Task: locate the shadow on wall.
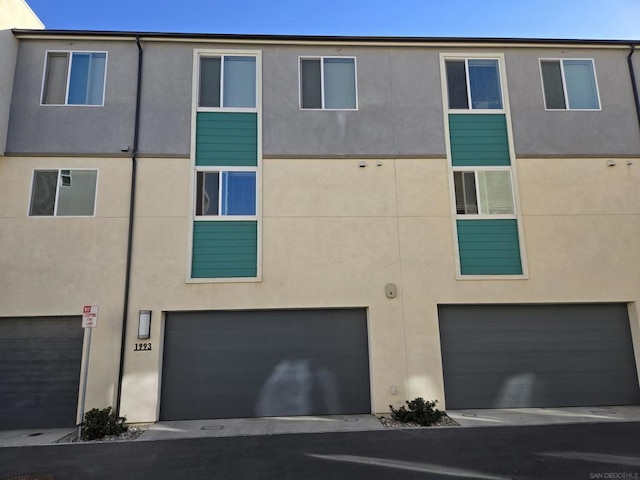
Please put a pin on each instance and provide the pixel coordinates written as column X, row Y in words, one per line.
column 298, row 387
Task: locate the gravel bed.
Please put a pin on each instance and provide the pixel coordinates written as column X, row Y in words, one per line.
column 388, row 422
column 133, row 432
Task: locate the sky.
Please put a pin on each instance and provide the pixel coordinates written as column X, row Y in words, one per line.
column 575, row 19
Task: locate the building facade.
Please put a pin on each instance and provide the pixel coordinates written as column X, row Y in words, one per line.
column 317, row 225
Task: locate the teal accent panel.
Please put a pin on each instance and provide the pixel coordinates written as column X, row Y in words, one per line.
column 489, row 247
column 226, row 139
column 479, row 140
column 225, row 249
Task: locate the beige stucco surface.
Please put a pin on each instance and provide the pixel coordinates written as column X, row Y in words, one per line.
column 333, row 235
column 17, row 14
column 333, row 232
column 54, row 265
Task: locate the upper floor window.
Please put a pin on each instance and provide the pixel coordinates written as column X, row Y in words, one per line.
column 569, row 84
column 474, row 84
column 63, row 193
column 74, row 78
column 483, row 192
column 226, row 193
column 328, row 83
column 227, row 81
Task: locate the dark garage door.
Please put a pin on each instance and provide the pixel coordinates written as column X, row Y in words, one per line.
column 39, row 371
column 233, row 364
column 508, row 356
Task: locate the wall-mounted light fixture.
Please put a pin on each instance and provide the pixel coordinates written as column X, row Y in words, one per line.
column 144, row 324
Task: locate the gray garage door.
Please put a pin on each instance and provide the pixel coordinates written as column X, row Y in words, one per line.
column 508, row 356
column 233, row 364
column 39, row 371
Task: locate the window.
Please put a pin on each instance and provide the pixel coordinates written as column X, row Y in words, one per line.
column 569, row 85
column 474, row 84
column 328, row 83
column 227, row 82
column 74, row 78
column 63, row 193
column 483, row 192
column 223, row 193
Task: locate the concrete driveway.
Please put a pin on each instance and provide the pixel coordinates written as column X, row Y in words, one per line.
column 544, row 416
column 241, row 427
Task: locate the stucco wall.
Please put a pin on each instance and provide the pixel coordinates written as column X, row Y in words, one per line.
column 165, row 116
column 399, row 104
column 15, row 14
column 334, row 234
column 73, row 129
column 54, row 265
column 8, row 53
column 611, row 131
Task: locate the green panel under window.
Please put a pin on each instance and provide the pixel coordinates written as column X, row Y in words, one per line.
column 228, row 139
column 478, row 140
column 225, row 249
column 489, row 247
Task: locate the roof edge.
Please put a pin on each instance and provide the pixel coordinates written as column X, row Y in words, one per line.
column 315, row 38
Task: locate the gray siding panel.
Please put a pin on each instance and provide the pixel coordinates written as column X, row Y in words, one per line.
column 508, row 356
column 73, row 129
column 611, row 131
column 39, row 371
column 229, row 364
column 398, row 111
column 399, row 104
column 165, row 114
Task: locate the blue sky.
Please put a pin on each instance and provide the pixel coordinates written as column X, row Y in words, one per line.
column 580, row 19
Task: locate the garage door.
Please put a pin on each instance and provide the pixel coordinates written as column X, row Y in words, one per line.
column 233, row 364
column 39, row 371
column 507, row 356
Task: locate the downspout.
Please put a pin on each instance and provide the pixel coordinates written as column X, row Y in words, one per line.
column 634, row 84
column 127, row 280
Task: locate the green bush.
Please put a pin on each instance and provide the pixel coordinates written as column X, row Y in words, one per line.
column 99, row 423
column 417, row 411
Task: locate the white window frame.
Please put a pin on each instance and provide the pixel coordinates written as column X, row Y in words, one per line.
column 466, row 59
column 450, row 168
column 195, row 86
column 66, row 92
column 58, row 186
column 222, row 217
column 208, row 54
column 564, row 86
column 480, row 215
column 322, row 58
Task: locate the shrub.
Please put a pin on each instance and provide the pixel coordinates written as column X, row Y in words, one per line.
column 418, row 411
column 99, row 423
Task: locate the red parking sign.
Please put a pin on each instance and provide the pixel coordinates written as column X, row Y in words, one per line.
column 89, row 316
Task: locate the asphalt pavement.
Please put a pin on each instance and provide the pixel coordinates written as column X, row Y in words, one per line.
column 608, row 450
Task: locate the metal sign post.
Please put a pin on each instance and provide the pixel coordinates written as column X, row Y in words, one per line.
column 89, row 322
